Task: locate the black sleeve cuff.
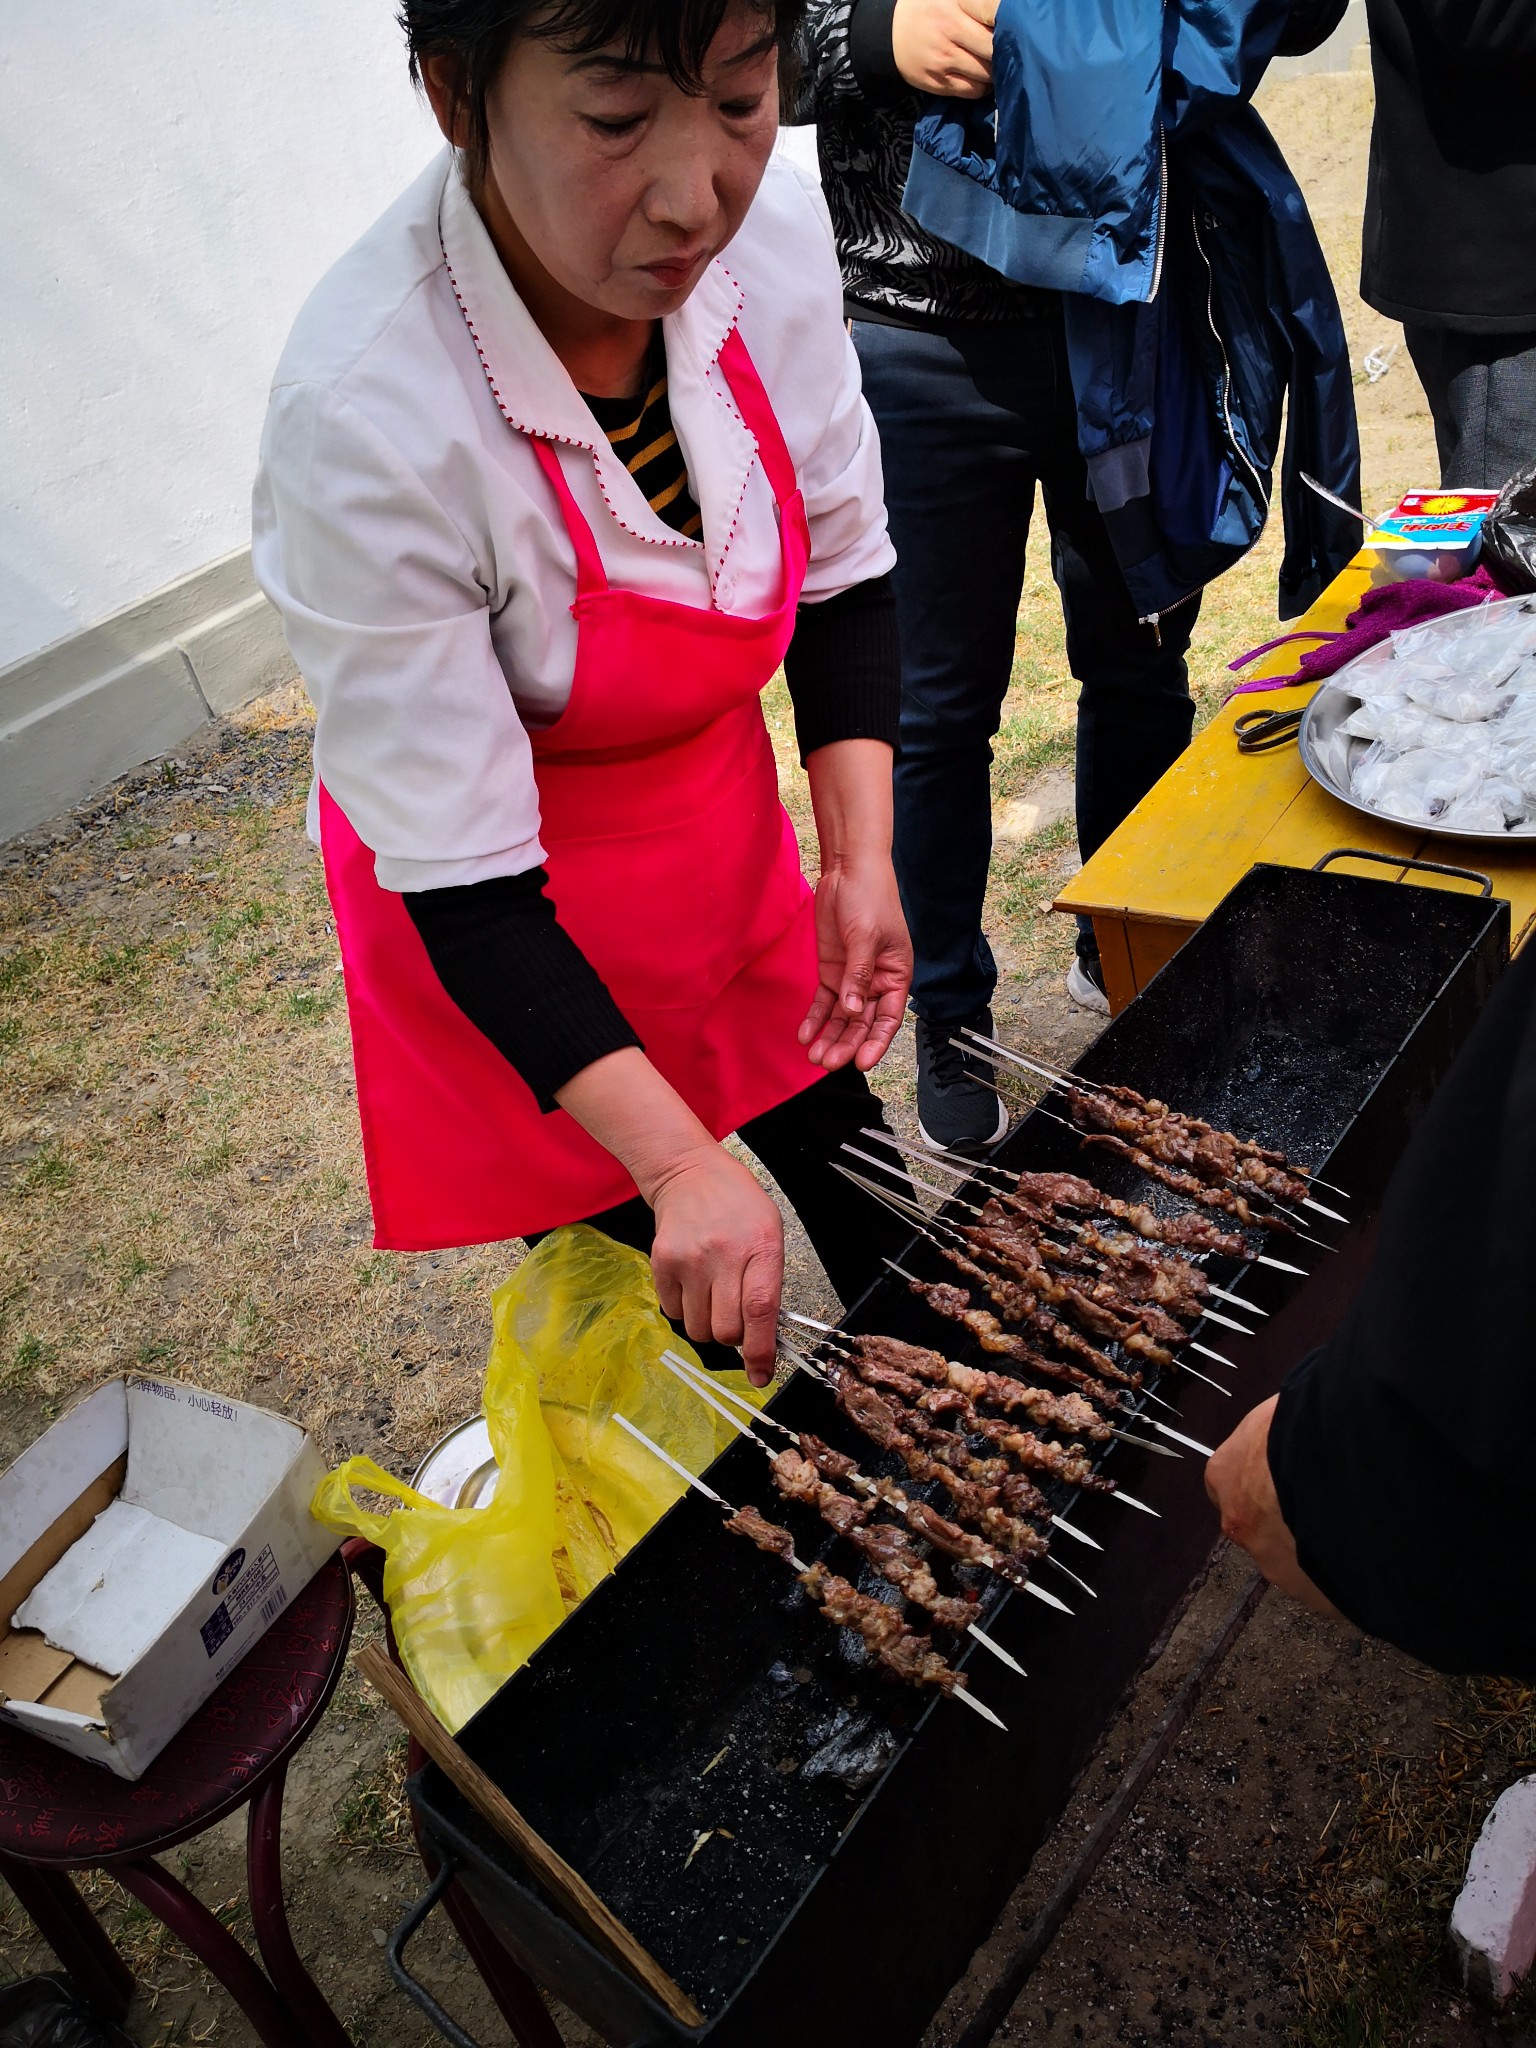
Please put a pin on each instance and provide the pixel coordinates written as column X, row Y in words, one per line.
column 520, row 978
column 1311, row 23
column 843, row 668
column 871, row 54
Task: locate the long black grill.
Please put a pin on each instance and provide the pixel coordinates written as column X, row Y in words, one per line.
column 813, row 1854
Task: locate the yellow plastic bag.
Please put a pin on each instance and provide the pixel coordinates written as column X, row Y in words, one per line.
column 472, row 1592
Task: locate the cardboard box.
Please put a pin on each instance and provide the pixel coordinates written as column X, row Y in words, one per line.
column 147, row 1540
column 1429, row 534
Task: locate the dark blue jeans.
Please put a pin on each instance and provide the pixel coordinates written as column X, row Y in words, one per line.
column 970, row 420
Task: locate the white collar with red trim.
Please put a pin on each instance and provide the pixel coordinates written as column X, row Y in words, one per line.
column 534, row 390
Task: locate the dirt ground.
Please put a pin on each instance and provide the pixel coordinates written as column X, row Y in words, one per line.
column 181, row 1189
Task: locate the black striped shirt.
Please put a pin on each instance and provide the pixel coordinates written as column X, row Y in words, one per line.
column 642, row 435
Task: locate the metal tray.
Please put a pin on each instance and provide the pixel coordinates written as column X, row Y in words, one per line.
column 1329, row 753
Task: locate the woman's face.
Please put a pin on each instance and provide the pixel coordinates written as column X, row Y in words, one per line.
column 619, row 185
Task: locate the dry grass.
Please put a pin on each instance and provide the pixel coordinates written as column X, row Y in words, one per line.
column 180, row 1175
column 1381, row 1891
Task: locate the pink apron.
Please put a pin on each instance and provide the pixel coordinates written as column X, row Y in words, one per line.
column 673, row 866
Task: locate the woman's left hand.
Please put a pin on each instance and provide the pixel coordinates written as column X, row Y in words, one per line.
column 865, row 959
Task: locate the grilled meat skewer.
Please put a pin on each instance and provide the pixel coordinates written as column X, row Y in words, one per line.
column 956, row 1304
column 901, row 1649
column 1187, row 1184
column 1067, row 1412
column 890, row 1550
column 1153, row 1276
column 1097, row 1307
column 1042, row 1192
column 1211, row 1155
column 944, row 1534
column 977, row 1502
column 1161, row 1110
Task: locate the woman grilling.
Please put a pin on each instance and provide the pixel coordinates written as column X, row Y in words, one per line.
column 549, row 487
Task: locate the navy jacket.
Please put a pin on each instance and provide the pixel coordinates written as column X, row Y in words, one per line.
column 1121, row 164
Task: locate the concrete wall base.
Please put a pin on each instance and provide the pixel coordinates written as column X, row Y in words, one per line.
column 86, row 710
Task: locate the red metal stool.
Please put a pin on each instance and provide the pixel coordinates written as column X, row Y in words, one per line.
column 58, row 1814
column 513, row 1991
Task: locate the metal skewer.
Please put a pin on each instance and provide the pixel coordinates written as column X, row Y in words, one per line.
column 916, row 1156
column 680, row 1369
column 922, row 1222
column 964, row 1169
column 1145, row 1392
column 1009, row 1185
column 1067, row 1124
column 1024, row 1585
column 1160, row 1426
column 797, row 1564
column 1059, row 1076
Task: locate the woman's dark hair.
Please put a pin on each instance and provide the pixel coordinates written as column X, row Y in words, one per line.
column 476, row 35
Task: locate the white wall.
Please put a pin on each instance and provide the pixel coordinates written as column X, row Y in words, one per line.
column 174, row 176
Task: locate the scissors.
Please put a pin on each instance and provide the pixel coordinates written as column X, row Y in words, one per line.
column 1261, row 732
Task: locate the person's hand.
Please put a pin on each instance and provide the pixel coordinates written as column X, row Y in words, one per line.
column 1239, row 1482
column 718, row 1257
column 945, row 46
column 865, row 965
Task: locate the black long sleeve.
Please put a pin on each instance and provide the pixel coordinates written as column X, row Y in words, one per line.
column 502, row 955
column 843, row 668
column 1311, row 22
column 872, row 54
column 1404, row 1451
column 1484, row 31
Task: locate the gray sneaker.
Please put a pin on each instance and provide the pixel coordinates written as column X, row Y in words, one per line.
column 957, row 1106
column 1085, row 984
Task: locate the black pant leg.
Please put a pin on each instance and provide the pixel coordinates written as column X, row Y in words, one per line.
column 634, row 1223
column 956, row 412
column 798, row 1143
column 1134, row 710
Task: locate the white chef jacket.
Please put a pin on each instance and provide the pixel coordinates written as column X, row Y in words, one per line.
column 404, row 530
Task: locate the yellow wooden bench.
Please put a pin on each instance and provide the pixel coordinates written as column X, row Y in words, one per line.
column 1216, row 812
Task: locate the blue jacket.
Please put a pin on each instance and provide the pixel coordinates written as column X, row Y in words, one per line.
column 1121, row 164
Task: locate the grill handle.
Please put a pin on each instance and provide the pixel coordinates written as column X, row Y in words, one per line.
column 1402, row 860
column 394, row 1951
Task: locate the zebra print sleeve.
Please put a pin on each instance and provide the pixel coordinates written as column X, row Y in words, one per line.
column 825, row 68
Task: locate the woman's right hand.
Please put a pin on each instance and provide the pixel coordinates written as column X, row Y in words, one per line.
column 945, row 46
column 718, row 1258
column 718, row 1255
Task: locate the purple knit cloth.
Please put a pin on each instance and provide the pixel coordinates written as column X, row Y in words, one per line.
column 1380, row 612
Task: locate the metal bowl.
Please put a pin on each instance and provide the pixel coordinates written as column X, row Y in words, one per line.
column 1329, row 754
column 460, row 1470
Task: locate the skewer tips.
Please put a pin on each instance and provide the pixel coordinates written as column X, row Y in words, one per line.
column 997, row 1649
column 1132, row 1502
column 1280, row 1265
column 978, row 1707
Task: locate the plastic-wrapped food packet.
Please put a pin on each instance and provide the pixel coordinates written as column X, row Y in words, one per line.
column 1519, row 763
column 1466, row 700
column 1494, row 805
column 1372, row 675
column 1417, row 787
